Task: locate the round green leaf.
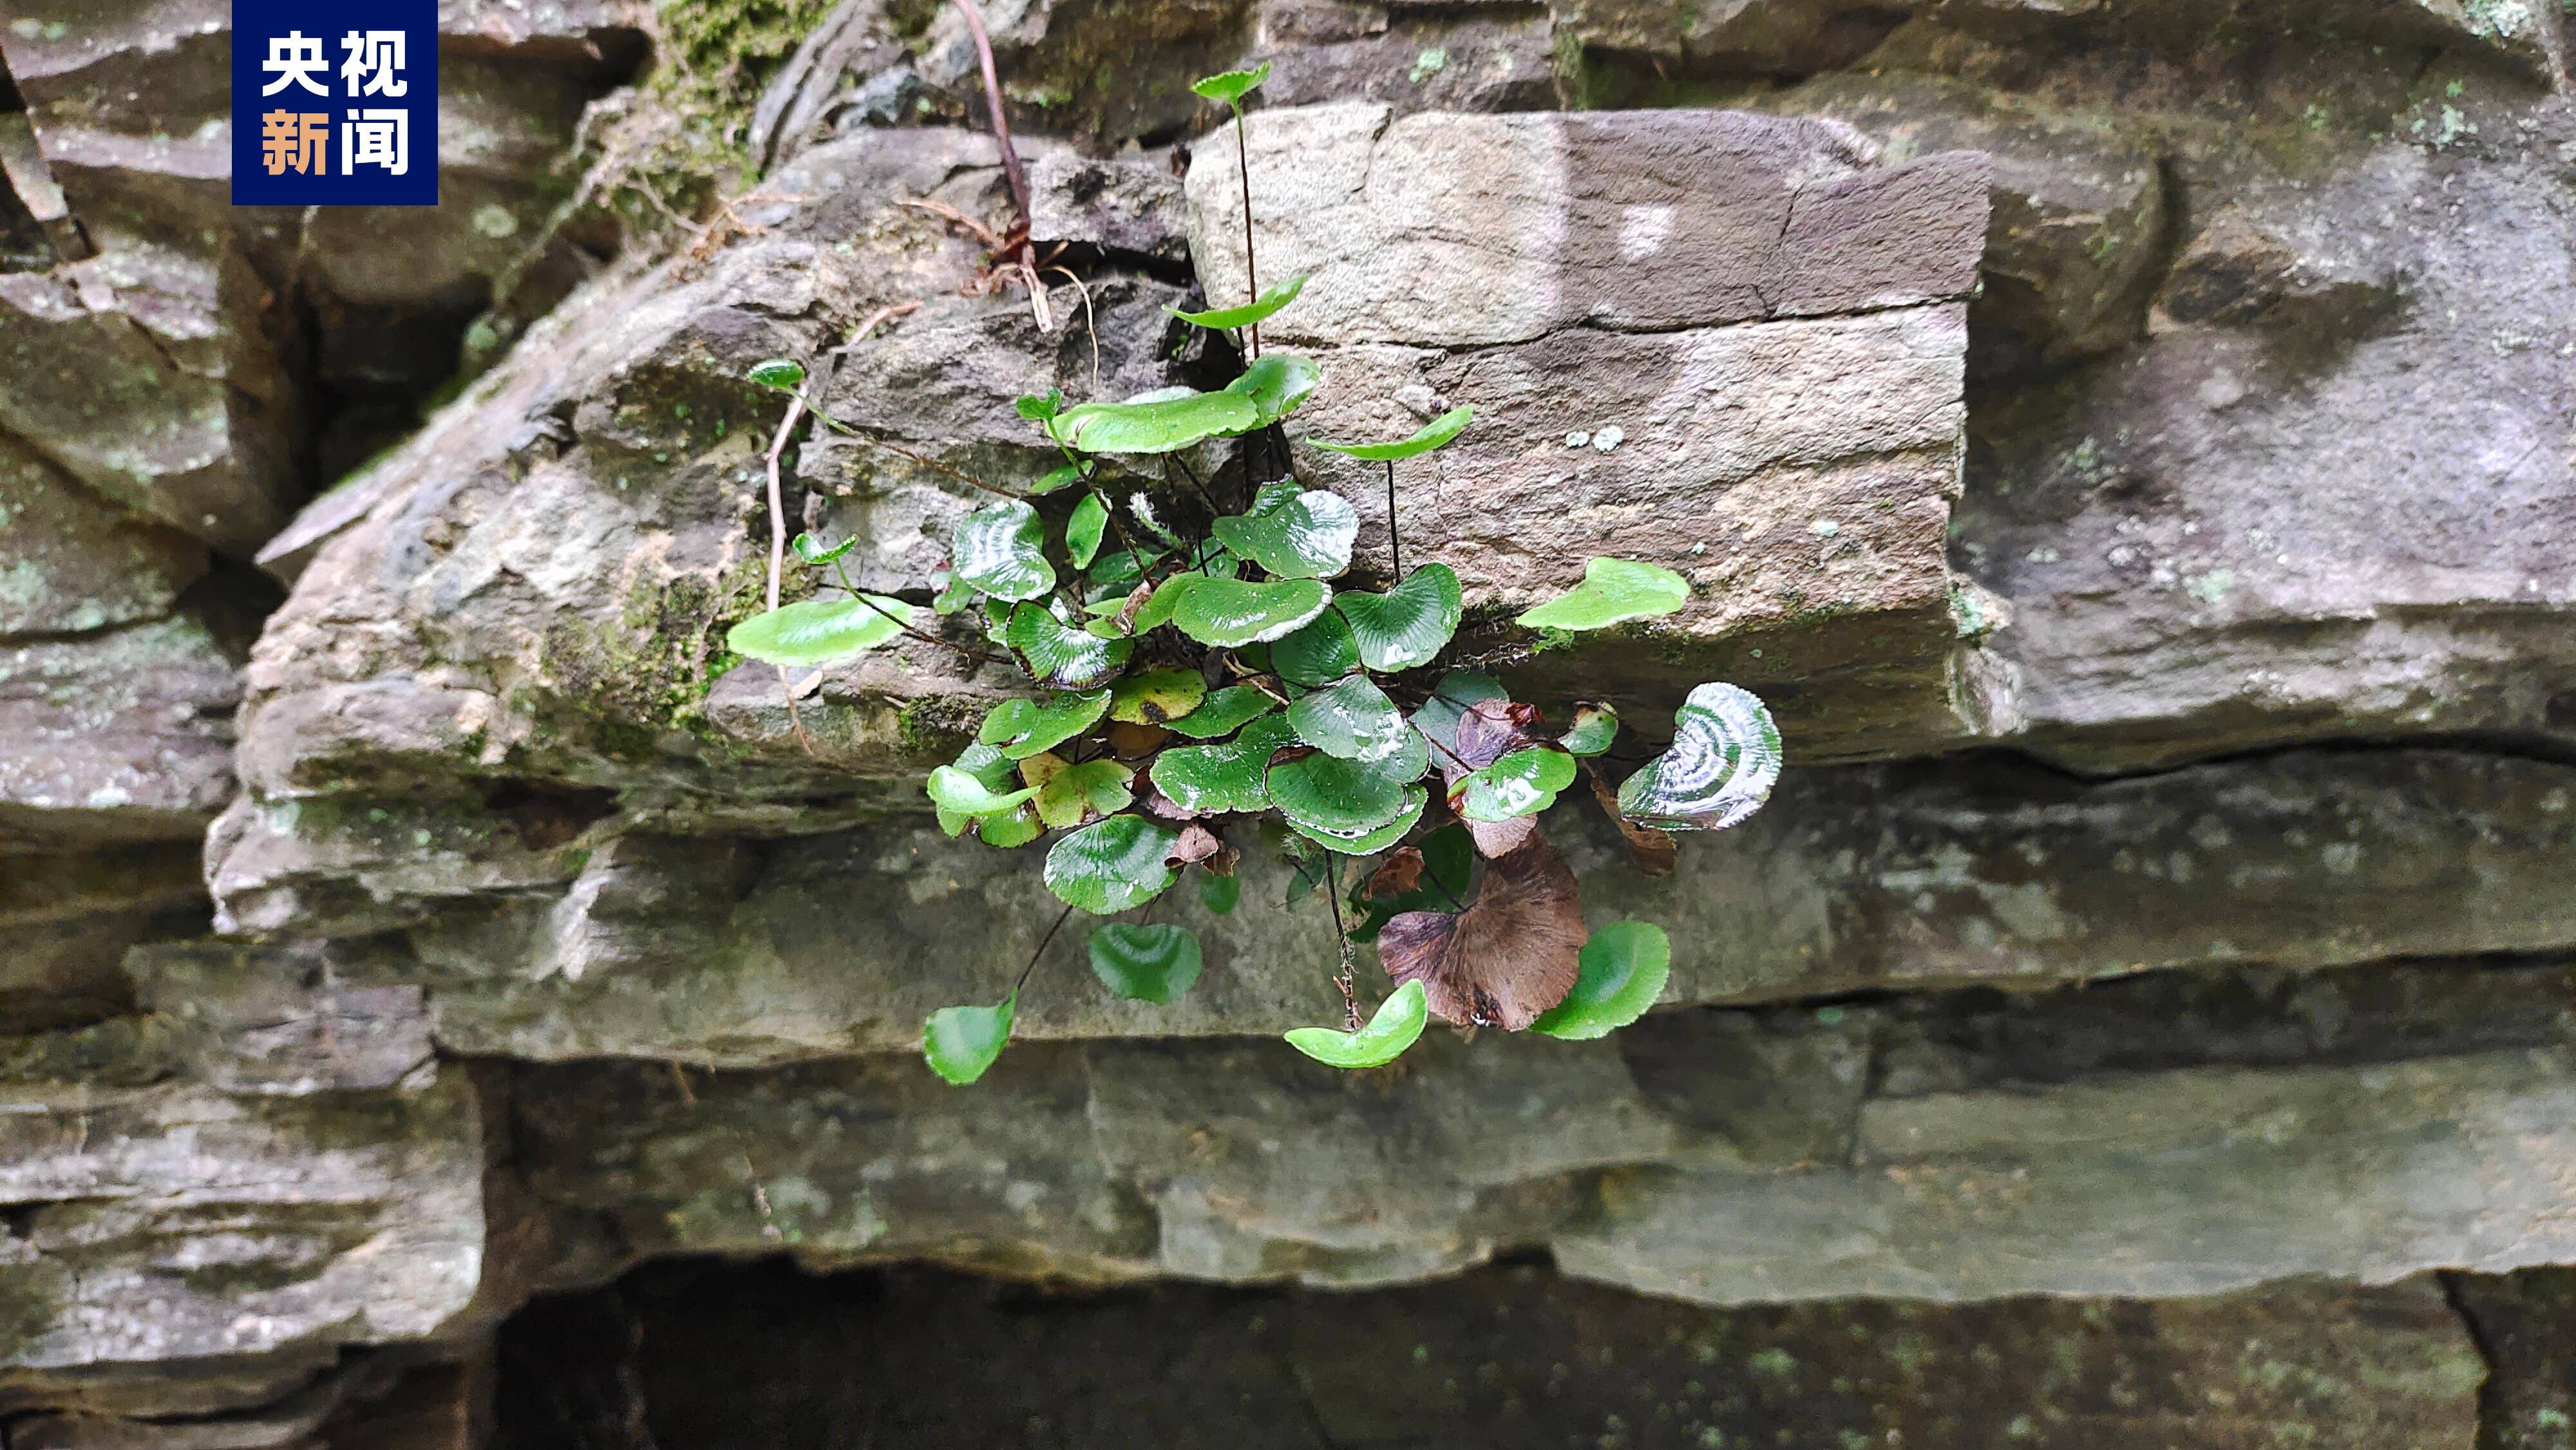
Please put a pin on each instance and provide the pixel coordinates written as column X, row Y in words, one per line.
column 1294, row 533
column 811, row 550
column 1278, row 383
column 990, row 769
column 1222, row 713
column 1451, row 698
column 1012, row 831
column 1158, row 425
column 1112, row 865
column 1612, row 591
column 819, row 631
column 1061, row 476
column 1038, row 407
column 1318, row 654
column 1521, row 783
column 1145, row 963
column 1022, row 728
column 961, row 1042
column 1622, row 973
column 784, row 374
column 1396, row 1025
column 1724, row 760
column 1272, row 298
column 1232, row 612
column 1369, row 842
column 1432, row 434
column 962, row 793
column 1231, row 86
column 1082, row 531
column 1408, row 625
column 1083, row 792
column 1220, row 893
column 1352, row 719
column 1215, row 779
column 1595, row 729
column 1156, row 697
column 1330, row 796
column 1059, row 654
column 1001, row 550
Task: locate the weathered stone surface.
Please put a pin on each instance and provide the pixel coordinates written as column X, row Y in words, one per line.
column 1122, row 205
column 746, row 952
column 70, row 562
column 119, row 736
column 155, row 1223
column 2328, row 497
column 2523, row 1323
column 66, row 922
column 1408, row 57
column 1517, row 1359
column 2163, row 1152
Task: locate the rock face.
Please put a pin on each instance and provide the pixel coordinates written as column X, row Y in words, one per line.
column 2126, row 441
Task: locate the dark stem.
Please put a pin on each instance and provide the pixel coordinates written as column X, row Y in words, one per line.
column 1011, row 172
column 1394, row 543
column 887, row 615
column 1341, row 939
column 1251, row 275
column 1041, row 951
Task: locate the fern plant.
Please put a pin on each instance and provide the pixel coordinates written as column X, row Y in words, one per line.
column 1202, row 692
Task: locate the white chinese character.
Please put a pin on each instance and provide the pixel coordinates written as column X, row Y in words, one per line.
column 376, row 58
column 294, row 58
column 376, row 138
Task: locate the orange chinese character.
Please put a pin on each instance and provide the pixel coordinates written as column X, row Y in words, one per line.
column 295, row 139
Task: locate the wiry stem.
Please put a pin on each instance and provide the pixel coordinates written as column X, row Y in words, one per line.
column 1251, row 274
column 1394, row 539
column 1041, row 951
column 1342, row 939
column 1011, row 172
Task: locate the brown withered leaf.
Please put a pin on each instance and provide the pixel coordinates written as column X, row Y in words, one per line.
column 1401, row 872
column 1160, row 806
column 1651, row 852
column 1487, row 731
column 1135, row 601
column 1129, row 741
column 1196, row 843
column 1507, row 958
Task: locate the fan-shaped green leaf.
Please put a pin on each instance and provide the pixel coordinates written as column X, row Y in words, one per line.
column 1623, row 970
column 1431, row 435
column 1278, row 383
column 961, row 793
column 1001, row 549
column 1156, row 697
column 1069, row 795
column 1231, row 86
column 1214, row 779
column 1457, row 690
column 1327, row 795
column 1272, row 298
column 1082, row 531
column 784, row 374
column 1022, row 728
column 1396, row 1025
column 1612, row 591
column 1408, row 625
column 1011, row 831
column 961, row 1042
column 1060, row 654
column 1111, row 865
column 811, row 549
column 1220, row 893
column 1294, row 533
column 1521, row 783
column 1724, row 761
column 1145, row 963
column 990, row 769
column 1038, row 407
column 1162, row 425
column 1222, row 713
column 1063, row 475
column 1235, row 612
column 1375, row 839
column 1318, row 654
column 819, row 631
column 1352, row 719
column 1595, row 729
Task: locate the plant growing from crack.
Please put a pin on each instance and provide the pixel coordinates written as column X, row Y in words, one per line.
column 1205, row 691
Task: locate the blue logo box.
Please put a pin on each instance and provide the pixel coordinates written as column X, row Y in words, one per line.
column 335, row 103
